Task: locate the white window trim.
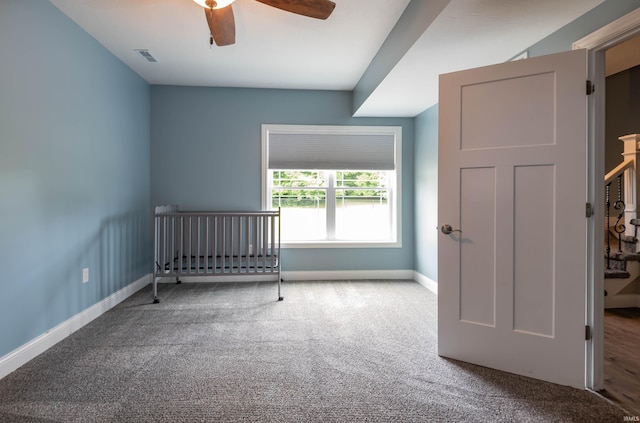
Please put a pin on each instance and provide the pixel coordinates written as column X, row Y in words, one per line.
column 396, row 196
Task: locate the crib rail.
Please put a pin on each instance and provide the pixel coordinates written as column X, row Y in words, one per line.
column 229, row 243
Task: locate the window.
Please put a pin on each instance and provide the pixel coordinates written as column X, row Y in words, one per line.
column 336, row 186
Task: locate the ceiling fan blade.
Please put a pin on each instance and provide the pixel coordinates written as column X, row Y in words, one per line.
column 319, row 9
column 222, row 25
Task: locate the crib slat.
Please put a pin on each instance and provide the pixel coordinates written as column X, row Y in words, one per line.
column 223, row 254
column 256, row 246
column 196, row 259
column 206, row 245
column 185, row 245
column 238, row 253
column 164, row 248
column 172, row 253
column 160, row 259
column 272, row 255
column 214, row 254
column 242, row 245
column 245, row 253
column 279, row 256
column 229, row 255
column 179, row 240
column 189, row 244
column 265, row 245
column 240, row 250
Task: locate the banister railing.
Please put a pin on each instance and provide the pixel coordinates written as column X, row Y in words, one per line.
column 625, row 176
column 618, row 171
column 619, row 227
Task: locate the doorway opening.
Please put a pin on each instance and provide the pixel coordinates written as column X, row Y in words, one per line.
column 622, row 318
column 610, row 354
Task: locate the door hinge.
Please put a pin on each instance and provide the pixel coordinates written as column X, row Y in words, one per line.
column 590, row 87
column 587, row 333
column 589, row 210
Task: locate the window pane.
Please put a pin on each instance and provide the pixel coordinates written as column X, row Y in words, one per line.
column 303, row 212
column 361, row 179
column 363, row 214
column 298, row 178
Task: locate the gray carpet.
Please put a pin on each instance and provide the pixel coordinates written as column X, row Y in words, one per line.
column 352, row 351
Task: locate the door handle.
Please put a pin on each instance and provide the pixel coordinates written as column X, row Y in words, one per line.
column 446, row 229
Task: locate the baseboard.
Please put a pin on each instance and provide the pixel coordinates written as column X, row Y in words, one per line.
column 329, row 275
column 622, row 301
column 37, row 346
column 427, row 282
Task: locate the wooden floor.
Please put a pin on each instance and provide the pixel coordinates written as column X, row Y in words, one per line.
column 622, row 357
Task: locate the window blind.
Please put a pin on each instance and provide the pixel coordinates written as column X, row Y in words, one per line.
column 331, row 151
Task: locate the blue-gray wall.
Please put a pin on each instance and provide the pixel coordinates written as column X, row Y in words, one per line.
column 426, row 141
column 74, row 171
column 205, row 154
column 426, row 193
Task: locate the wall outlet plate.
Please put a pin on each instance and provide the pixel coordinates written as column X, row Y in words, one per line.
column 85, row 275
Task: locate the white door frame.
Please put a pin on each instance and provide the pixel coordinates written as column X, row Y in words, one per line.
column 596, row 44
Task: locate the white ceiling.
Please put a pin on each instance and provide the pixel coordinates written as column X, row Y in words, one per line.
column 276, row 49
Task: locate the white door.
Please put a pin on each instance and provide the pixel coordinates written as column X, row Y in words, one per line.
column 512, row 177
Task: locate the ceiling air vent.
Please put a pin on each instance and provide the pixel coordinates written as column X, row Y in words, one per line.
column 145, row 53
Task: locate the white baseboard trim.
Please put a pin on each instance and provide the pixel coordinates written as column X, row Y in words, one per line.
column 622, row 301
column 427, row 282
column 332, row 275
column 37, row 346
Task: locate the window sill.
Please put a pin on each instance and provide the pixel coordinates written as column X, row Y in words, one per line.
column 341, row 244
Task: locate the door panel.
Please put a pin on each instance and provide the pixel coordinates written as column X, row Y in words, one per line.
column 512, row 178
column 477, row 270
column 533, row 275
column 478, row 130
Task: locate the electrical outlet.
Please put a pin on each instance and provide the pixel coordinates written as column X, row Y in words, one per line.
column 85, row 275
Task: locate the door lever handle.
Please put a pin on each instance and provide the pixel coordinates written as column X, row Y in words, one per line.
column 447, row 229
